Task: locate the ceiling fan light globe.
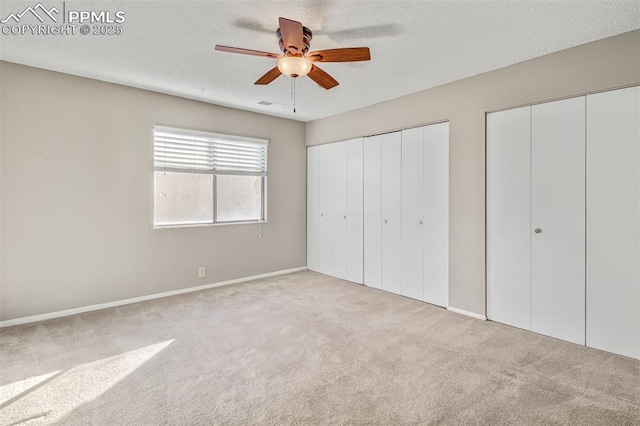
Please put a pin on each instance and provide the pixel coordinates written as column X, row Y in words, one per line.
column 294, row 66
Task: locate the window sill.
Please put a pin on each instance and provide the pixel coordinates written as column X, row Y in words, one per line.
column 200, row 225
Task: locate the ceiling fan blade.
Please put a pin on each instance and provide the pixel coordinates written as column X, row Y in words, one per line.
column 291, row 33
column 322, row 78
column 348, row 54
column 247, row 51
column 271, row 75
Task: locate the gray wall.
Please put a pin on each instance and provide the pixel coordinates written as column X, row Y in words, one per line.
column 601, row 65
column 76, row 177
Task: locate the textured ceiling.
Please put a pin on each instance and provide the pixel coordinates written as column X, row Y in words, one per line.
column 167, row 46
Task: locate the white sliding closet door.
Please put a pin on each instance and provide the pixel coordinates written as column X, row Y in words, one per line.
column 339, row 209
column 412, row 213
column 391, row 174
column 613, row 221
column 372, row 211
column 509, row 217
column 558, row 216
column 313, row 214
column 354, row 210
column 436, row 214
column 325, row 187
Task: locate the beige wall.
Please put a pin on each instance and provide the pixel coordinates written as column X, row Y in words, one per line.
column 76, row 181
column 601, row 65
column 76, row 178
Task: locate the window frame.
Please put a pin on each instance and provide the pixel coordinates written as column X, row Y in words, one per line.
column 214, row 174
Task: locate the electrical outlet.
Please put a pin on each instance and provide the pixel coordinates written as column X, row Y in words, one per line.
column 202, row 272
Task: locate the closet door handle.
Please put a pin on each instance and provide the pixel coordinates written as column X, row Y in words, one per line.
column 385, row 221
column 537, row 231
column 344, row 217
column 419, row 222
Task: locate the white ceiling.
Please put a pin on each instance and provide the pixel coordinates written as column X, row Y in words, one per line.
column 167, row 46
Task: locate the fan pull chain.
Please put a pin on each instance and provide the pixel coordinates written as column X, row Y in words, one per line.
column 293, row 93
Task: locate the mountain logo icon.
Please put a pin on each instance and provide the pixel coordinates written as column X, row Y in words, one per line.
column 39, row 11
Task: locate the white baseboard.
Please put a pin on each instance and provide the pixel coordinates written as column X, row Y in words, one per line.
column 67, row 312
column 467, row 313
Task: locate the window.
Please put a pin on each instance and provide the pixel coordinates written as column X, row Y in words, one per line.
column 205, row 178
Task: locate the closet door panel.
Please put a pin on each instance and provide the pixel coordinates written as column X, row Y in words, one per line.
column 613, row 221
column 509, row 217
column 436, row 214
column 313, row 214
column 558, row 212
column 325, row 183
column 372, row 211
column 354, row 210
column 391, row 174
column 412, row 213
column 339, row 210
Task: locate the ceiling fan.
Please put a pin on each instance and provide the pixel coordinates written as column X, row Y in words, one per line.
column 296, row 60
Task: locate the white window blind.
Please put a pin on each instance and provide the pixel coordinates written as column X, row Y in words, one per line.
column 177, row 150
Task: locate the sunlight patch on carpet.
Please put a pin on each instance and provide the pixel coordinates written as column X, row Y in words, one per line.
column 72, row 388
column 14, row 389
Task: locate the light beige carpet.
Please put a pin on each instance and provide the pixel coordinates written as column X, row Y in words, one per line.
column 303, row 349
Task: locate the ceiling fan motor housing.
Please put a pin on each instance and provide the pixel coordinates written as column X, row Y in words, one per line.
column 307, row 35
